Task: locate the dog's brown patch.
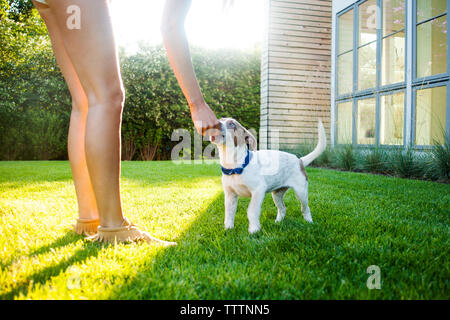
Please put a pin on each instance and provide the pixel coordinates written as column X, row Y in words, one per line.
column 302, row 169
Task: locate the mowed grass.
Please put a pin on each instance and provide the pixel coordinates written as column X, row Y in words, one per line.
column 400, row 225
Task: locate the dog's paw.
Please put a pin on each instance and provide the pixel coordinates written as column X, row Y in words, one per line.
column 308, row 217
column 254, row 229
column 229, row 225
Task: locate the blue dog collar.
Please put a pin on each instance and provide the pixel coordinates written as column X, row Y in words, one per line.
column 240, row 169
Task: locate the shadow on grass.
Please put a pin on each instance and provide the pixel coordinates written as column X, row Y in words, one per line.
column 45, row 274
column 63, row 241
column 353, row 230
column 213, row 263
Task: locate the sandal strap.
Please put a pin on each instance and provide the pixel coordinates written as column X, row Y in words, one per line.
column 86, row 226
column 85, row 221
column 128, row 232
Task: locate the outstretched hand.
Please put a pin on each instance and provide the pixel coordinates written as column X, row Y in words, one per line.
column 205, row 120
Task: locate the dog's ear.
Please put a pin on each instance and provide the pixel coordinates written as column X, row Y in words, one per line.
column 249, row 138
column 251, row 141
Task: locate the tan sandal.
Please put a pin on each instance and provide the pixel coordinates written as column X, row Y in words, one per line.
column 86, row 227
column 128, row 232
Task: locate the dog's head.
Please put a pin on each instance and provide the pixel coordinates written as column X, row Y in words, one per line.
column 233, row 134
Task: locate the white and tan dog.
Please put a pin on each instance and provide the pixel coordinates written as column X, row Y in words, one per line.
column 251, row 173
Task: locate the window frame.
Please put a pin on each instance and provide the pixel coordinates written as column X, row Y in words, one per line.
column 337, row 54
column 387, row 93
column 355, row 121
column 437, row 77
column 337, row 118
column 380, row 90
column 414, row 107
column 437, row 80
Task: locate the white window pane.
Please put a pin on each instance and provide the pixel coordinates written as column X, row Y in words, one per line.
column 345, row 73
column 431, row 105
column 345, row 32
column 367, row 66
column 344, row 122
column 427, row 9
column 432, row 47
column 367, row 22
column 393, row 59
column 365, row 122
column 392, row 118
column 393, row 16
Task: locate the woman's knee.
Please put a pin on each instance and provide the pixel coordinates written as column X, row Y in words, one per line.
column 111, row 99
column 80, row 106
column 79, row 102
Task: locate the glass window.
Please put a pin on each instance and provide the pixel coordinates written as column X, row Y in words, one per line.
column 367, row 66
column 345, row 32
column 345, row 73
column 381, row 118
column 430, row 116
column 367, row 45
column 367, row 22
column 365, row 122
column 345, row 53
column 427, row 9
column 432, row 47
column 393, row 16
column 344, row 122
column 392, row 118
column 393, row 42
column 393, row 59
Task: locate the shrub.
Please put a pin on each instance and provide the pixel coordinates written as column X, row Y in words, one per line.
column 374, row 160
column 438, row 165
column 155, row 105
column 408, row 164
column 345, row 157
column 325, row 159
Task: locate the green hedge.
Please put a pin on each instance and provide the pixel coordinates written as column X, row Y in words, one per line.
column 155, row 105
column 35, row 103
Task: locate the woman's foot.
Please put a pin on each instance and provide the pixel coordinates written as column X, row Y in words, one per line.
column 86, row 226
column 127, row 232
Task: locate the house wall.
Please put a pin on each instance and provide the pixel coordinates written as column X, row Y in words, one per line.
column 295, row 72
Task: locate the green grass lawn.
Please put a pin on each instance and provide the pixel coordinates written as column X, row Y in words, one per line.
column 400, row 225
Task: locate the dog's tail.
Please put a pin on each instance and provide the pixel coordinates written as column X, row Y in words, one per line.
column 321, row 145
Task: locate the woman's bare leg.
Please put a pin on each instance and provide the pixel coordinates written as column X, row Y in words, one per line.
column 87, row 205
column 93, row 53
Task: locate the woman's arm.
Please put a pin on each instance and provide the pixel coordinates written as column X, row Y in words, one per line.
column 177, row 47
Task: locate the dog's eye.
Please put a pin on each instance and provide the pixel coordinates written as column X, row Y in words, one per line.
column 231, row 125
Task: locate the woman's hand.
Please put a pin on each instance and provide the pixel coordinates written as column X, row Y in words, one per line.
column 177, row 47
column 204, row 119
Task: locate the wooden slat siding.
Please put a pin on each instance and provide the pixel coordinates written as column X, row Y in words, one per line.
column 295, row 71
column 293, row 35
column 317, row 6
column 294, row 12
column 264, row 122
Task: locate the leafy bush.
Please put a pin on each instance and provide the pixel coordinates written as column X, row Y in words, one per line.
column 155, row 105
column 34, row 96
column 408, row 164
column 345, row 157
column 374, row 161
column 438, row 165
